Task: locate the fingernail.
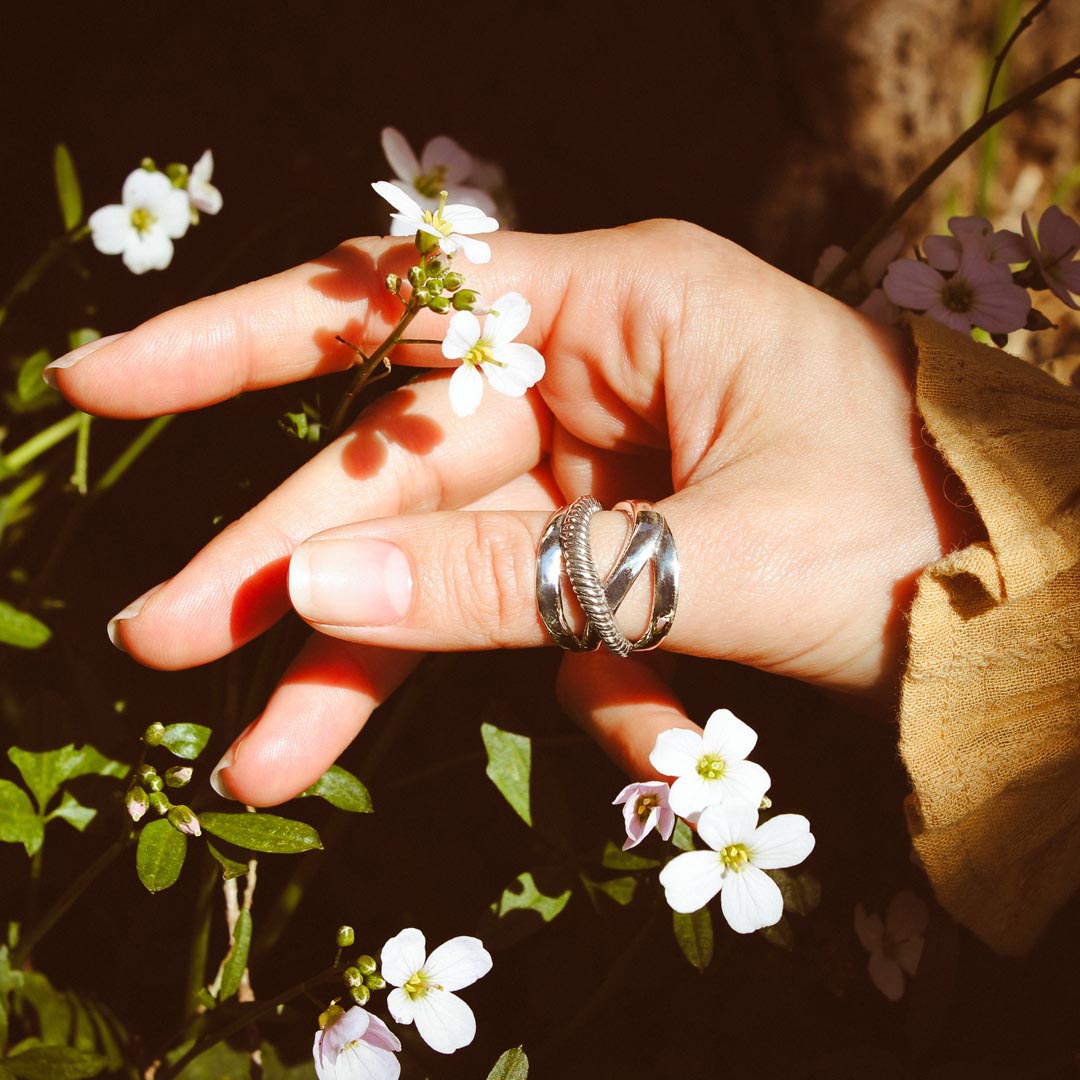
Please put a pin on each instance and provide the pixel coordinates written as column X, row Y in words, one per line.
column 73, row 357
column 129, row 612
column 350, row 582
column 217, row 781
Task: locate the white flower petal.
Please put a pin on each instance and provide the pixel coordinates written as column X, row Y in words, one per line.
column 690, row 794
column 205, row 198
column 361, row 1061
column 444, row 1021
column 399, row 200
column 468, row 219
column 509, row 316
column 624, row 795
column 677, row 751
column 727, row 736
column 691, row 880
column 400, row 155
column 476, row 251
column 462, row 333
column 380, row 1036
column 473, row 196
column 524, row 368
column 784, row 840
column 728, row 823
column 869, row 929
column 110, row 229
column 401, row 1006
column 401, row 225
column 350, row 1025
column 403, row 956
column 458, row 963
column 203, row 169
column 466, row 390
column 751, row 900
column 173, row 213
column 149, row 250
column 143, row 188
column 445, row 152
column 886, row 975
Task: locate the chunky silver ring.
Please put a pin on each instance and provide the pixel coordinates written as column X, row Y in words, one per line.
column 565, row 553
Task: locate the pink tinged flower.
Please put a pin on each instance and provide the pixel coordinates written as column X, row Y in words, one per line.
column 895, row 944
column 442, row 166
column 735, row 867
column 975, row 295
column 141, row 229
column 1054, row 252
column 355, row 1045
column 710, row 767
column 974, row 237
column 452, row 226
column 204, row 196
column 511, row 367
column 873, row 267
column 425, row 986
column 645, row 807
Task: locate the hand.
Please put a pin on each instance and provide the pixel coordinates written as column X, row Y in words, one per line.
column 773, row 425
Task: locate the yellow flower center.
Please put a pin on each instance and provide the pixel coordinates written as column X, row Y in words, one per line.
column 142, row 219
column 957, row 295
column 481, row 353
column 435, row 218
column 711, row 767
column 645, row 806
column 735, row 857
column 430, row 184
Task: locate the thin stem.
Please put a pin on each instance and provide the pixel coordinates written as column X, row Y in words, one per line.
column 129, row 456
column 999, row 60
column 200, row 938
column 418, row 341
column 38, row 444
column 38, row 267
column 891, row 216
column 82, row 453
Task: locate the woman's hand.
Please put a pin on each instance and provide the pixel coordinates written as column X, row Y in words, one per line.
column 773, row 426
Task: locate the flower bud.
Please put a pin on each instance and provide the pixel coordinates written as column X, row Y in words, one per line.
column 183, row 820
column 393, row 283
column 465, row 300
column 360, row 994
column 345, row 937
column 153, row 783
column 417, row 276
column 178, row 174
column 766, row 802
column 434, row 267
column 352, row 977
column 153, row 735
column 425, row 242
column 159, row 802
column 421, row 297
column 366, row 964
column 332, row 1015
column 136, row 802
column 453, row 281
column 147, row 163
column 439, row 304
column 375, row 981
column 178, row 775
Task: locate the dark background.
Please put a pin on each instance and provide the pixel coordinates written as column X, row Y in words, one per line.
column 600, row 114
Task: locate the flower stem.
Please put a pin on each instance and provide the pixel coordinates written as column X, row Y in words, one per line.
column 999, row 60
column 82, row 453
column 38, row 444
column 38, row 267
column 919, row 185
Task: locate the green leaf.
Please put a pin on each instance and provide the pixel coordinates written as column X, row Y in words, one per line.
column 186, row 740
column 781, row 934
column 54, row 1063
column 620, row 889
column 340, row 788
column 83, row 336
column 512, row 1065
column 160, row 855
column 509, row 766
column 44, row 772
column 73, row 812
column 219, row 1062
column 29, row 383
column 694, row 933
column 232, row 967
column 19, row 822
column 615, row 858
column 230, row 868
column 67, row 187
column 262, row 832
column 683, row 836
column 21, row 629
column 801, row 892
column 530, row 898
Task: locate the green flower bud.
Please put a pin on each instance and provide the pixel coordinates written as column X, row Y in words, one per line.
column 178, row 174
column 183, row 820
column 375, row 981
column 439, row 304
column 153, row 735
column 147, row 163
column 453, row 281
column 136, row 802
column 144, row 773
column 352, row 977
column 393, row 283
column 159, row 802
column 332, row 1015
column 178, row 775
column 421, row 297
column 154, row 783
column 434, row 285
column 360, row 994
column 366, row 964
column 417, row 276
column 434, row 267
column 345, row 937
column 465, row 300
column 425, row 242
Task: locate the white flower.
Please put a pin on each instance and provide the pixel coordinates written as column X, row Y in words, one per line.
column 355, row 1045
column 710, row 767
column 735, row 868
column 142, row 228
column 443, row 166
column 895, row 944
column 451, row 226
column 204, row 196
column 425, row 984
column 645, row 807
column 511, row 366
column 975, row 236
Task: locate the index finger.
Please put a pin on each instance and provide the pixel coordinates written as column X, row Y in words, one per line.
column 284, row 328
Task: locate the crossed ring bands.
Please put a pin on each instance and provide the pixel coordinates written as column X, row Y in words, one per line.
column 565, row 552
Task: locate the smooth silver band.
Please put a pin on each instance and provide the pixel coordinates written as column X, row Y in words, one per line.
column 565, row 553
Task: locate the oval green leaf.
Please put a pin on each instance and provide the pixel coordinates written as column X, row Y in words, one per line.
column 55, row 1063
column 160, row 855
column 230, row 868
column 21, row 629
column 67, row 187
column 694, row 933
column 512, row 1065
column 340, row 788
column 19, row 822
column 186, row 740
column 262, row 832
column 509, row 766
column 232, row 967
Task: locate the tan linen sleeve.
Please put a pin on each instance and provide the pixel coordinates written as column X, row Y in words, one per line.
column 990, row 699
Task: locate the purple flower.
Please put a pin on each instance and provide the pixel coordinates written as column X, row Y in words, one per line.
column 355, row 1045
column 975, row 238
column 1055, row 252
column 645, row 807
column 895, row 943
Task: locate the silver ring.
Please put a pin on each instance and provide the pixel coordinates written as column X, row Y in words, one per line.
column 565, row 554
